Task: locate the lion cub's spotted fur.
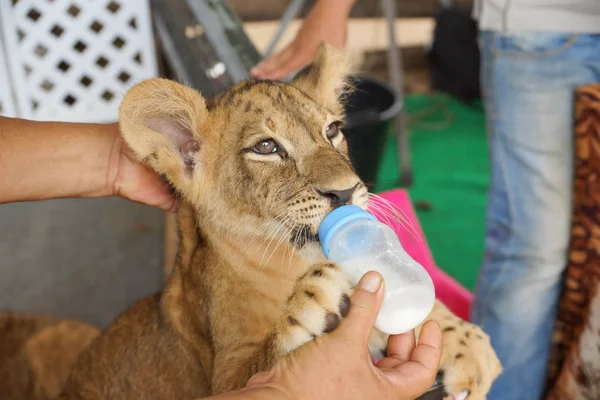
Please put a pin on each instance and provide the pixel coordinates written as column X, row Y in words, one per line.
column 236, row 301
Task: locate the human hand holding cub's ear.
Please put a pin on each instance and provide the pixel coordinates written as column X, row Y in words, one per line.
column 134, row 181
column 338, row 365
column 52, row 160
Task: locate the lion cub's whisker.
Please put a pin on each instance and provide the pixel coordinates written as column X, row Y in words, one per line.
column 395, row 213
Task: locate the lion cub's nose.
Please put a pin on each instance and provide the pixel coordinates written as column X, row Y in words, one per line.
column 339, row 197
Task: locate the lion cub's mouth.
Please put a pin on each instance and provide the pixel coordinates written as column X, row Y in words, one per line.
column 303, row 235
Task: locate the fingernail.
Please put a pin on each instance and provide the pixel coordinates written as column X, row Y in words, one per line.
column 462, row 395
column 370, row 282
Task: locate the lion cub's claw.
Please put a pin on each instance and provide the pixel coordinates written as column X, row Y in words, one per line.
column 321, row 298
column 469, row 362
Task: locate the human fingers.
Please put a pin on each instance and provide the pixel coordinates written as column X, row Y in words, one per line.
column 364, row 307
column 429, row 348
column 137, row 182
column 415, row 377
column 268, row 67
column 399, row 349
column 296, row 62
column 140, row 184
column 418, row 374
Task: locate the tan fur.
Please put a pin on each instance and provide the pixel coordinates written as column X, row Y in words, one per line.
column 37, row 353
column 249, row 284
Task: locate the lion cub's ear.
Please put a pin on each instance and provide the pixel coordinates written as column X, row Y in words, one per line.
column 325, row 79
column 161, row 121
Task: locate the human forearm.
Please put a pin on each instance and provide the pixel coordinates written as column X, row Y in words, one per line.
column 342, row 7
column 44, row 160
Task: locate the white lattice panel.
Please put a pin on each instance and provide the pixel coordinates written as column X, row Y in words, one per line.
column 73, row 60
column 7, row 107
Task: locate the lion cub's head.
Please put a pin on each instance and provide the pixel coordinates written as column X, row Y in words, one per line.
column 263, row 154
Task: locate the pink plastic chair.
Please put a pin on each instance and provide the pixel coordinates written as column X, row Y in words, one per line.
column 448, row 291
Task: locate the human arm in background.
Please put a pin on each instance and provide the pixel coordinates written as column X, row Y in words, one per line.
column 326, row 22
column 338, row 365
column 49, row 160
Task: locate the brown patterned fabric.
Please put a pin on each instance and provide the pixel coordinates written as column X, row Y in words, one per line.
column 574, row 372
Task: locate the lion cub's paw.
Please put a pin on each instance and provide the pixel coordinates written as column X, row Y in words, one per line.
column 469, row 363
column 319, row 301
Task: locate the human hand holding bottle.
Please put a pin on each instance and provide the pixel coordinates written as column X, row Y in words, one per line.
column 338, row 365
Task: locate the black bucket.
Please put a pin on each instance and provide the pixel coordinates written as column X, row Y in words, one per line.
column 370, row 112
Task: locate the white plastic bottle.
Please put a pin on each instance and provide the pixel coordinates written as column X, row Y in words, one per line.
column 357, row 242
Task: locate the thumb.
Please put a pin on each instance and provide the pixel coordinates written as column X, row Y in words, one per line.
column 364, row 307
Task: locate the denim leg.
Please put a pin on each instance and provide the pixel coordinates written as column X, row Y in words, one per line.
column 529, row 82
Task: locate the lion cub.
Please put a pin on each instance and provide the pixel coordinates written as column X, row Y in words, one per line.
column 257, row 169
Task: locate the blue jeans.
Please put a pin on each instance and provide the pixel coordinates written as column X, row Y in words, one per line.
column 528, row 82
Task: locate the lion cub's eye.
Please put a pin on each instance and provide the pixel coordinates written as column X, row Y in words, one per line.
column 268, row 146
column 333, row 130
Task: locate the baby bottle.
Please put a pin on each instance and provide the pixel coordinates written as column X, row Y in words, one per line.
column 357, row 242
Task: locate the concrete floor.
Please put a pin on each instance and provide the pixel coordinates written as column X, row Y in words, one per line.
column 81, row 258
